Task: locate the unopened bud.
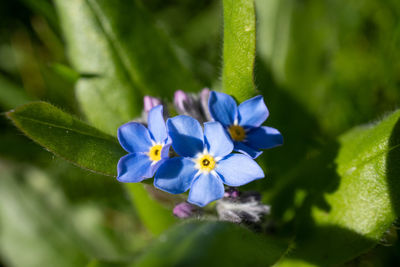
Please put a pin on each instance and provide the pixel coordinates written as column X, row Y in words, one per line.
column 182, row 100
column 231, row 193
column 204, row 95
column 184, row 210
column 150, row 102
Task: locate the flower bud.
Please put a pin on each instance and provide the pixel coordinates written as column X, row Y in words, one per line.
column 182, row 101
column 231, row 193
column 184, row 210
column 150, row 102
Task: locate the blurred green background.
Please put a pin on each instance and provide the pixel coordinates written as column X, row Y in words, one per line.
column 322, row 66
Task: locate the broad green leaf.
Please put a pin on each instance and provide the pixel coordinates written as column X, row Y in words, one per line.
column 239, row 48
column 106, row 94
column 127, row 56
column 363, row 201
column 68, row 137
column 200, row 243
column 145, row 51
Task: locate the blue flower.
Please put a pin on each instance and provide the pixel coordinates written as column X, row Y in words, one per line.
column 206, row 162
column 148, row 148
column 243, row 123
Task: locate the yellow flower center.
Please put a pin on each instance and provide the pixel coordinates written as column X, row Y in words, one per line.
column 237, row 133
column 155, row 152
column 206, row 163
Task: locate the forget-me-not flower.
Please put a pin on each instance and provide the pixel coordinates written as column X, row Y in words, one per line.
column 148, row 148
column 206, row 162
column 243, row 123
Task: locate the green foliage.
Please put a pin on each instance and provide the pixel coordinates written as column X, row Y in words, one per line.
column 239, row 48
column 68, row 137
column 114, row 49
column 338, row 59
column 322, row 66
column 65, row 235
column 42, row 249
column 214, row 244
column 363, row 202
column 91, row 53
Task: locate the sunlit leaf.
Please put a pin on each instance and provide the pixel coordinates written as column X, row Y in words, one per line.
column 106, row 94
column 127, row 56
column 68, row 137
column 239, row 48
column 363, row 201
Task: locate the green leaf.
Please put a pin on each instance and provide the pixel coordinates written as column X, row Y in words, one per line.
column 144, row 50
column 127, row 56
column 106, row 94
column 212, row 244
column 239, row 48
column 364, row 200
column 323, row 65
column 68, row 137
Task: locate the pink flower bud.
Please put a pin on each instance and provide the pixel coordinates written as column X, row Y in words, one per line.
column 150, row 102
column 182, row 100
column 184, row 210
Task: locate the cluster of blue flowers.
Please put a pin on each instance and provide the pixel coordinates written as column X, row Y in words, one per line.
column 205, row 160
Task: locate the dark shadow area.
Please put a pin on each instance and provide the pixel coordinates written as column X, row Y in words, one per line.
column 393, row 168
column 329, row 245
column 14, row 145
column 303, row 168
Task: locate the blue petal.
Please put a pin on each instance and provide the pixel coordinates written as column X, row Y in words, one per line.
column 186, row 135
column 134, row 137
column 175, row 175
column 264, row 137
column 222, row 108
column 247, row 150
column 217, row 140
column 156, row 124
column 238, row 169
column 165, row 151
column 206, row 188
column 133, row 168
column 253, row 112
